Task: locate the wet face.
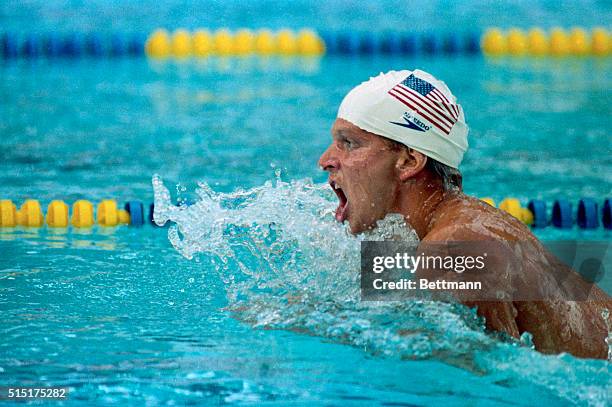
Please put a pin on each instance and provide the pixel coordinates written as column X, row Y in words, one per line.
column 362, row 173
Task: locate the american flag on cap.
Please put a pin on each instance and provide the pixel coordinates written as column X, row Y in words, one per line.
column 422, row 97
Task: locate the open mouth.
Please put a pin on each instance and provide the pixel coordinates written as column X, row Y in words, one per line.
column 342, row 209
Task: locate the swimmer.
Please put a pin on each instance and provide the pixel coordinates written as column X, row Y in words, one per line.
column 396, row 147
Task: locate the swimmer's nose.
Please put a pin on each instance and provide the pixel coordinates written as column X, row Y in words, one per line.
column 328, row 162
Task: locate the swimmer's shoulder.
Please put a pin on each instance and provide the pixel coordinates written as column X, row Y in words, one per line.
column 464, row 218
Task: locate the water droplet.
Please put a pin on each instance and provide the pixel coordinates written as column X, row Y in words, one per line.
column 526, row 339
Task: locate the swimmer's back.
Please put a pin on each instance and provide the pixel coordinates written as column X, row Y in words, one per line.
column 558, row 325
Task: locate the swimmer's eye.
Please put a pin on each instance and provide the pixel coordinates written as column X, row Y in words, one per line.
column 348, row 143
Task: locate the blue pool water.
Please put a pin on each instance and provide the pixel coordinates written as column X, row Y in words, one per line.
column 229, row 312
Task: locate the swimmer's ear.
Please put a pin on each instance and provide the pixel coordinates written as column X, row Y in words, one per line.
column 409, row 163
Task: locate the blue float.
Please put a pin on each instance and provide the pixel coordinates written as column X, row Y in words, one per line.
column 51, row 46
column 31, row 47
column 451, row 44
column 429, row 44
column 408, row 44
column 136, row 211
column 391, row 44
column 562, row 214
column 538, row 208
column 606, row 214
column 348, row 43
column 368, row 44
column 586, row 216
column 93, row 46
column 117, row 46
column 71, row 46
column 472, row 44
column 330, row 39
column 135, row 45
column 9, row 46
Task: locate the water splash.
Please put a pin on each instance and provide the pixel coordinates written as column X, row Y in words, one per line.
column 605, row 314
column 526, row 339
column 287, row 264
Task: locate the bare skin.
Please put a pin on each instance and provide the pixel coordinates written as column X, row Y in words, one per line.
column 372, row 179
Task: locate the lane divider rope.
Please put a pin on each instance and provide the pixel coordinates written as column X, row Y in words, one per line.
column 201, row 43
column 587, row 215
column 108, row 213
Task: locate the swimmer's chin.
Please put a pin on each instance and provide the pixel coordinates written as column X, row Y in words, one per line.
column 357, row 230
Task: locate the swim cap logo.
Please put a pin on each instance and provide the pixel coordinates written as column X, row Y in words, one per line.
column 412, row 122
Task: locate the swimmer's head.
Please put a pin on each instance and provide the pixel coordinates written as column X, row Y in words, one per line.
column 391, row 130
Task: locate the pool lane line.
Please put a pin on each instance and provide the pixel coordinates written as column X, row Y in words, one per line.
column 307, row 42
column 108, row 213
column 587, row 215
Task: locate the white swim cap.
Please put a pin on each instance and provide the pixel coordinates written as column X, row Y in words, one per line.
column 413, row 108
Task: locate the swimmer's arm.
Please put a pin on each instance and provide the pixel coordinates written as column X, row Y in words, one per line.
column 499, row 315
